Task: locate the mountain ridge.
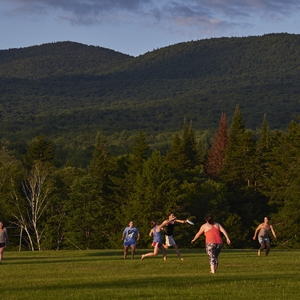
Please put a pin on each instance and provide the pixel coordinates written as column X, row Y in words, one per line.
column 68, row 88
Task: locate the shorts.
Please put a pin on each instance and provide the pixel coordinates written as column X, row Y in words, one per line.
column 129, row 244
column 2, row 245
column 170, row 241
column 156, row 244
column 213, row 250
column 262, row 239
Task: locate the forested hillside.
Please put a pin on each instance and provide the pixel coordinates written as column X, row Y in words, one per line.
column 92, row 138
column 68, row 91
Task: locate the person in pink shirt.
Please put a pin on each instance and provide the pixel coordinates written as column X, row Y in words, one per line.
column 213, row 240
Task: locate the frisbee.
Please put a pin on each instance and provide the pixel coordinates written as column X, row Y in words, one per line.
column 189, row 222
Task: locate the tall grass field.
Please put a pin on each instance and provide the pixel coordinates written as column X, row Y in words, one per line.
column 104, row 274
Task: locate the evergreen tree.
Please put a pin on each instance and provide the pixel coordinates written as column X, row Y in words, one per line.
column 94, row 203
column 264, row 141
column 39, row 149
column 184, row 154
column 134, row 164
column 176, row 157
column 155, row 193
column 237, row 171
column 282, row 184
column 59, row 210
column 216, row 154
column 140, row 152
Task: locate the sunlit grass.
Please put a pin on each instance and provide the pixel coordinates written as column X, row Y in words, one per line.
column 104, row 274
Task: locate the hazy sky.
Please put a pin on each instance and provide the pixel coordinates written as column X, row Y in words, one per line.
column 137, row 26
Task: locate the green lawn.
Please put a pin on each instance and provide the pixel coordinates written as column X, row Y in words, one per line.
column 104, row 274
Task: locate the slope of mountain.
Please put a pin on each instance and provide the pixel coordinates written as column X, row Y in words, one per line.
column 70, row 89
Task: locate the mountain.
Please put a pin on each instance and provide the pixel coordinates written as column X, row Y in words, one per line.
column 66, row 90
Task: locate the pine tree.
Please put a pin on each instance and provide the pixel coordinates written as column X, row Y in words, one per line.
column 238, row 172
column 140, row 152
column 39, row 149
column 154, row 194
column 282, row 184
column 175, row 156
column 184, row 154
column 238, row 167
column 216, row 154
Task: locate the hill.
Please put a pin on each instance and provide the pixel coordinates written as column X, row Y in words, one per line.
column 69, row 91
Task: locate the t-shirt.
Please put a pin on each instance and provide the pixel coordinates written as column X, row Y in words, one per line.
column 130, row 234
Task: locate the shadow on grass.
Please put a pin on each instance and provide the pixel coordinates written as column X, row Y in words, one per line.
column 157, row 282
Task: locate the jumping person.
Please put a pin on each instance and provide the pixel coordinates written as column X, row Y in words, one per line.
column 213, row 241
column 169, row 230
column 130, row 236
column 156, row 231
column 3, row 239
column 263, row 235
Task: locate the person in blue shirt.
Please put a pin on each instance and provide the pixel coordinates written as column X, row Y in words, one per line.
column 130, row 236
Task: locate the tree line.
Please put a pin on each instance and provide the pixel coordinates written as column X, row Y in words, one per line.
column 242, row 177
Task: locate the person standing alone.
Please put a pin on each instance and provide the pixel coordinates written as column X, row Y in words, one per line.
column 130, row 236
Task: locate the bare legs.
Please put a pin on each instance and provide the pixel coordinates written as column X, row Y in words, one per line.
column 1, row 253
column 155, row 252
column 176, row 250
column 132, row 251
column 264, row 245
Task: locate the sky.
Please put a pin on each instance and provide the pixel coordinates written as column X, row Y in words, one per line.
column 136, row 27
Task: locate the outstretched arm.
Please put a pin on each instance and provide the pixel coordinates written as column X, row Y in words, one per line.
column 165, row 223
column 180, row 221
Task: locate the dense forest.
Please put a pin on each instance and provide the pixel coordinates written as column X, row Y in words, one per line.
column 92, row 138
column 68, row 91
column 240, row 179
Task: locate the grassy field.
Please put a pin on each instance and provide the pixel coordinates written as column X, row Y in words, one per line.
column 104, row 274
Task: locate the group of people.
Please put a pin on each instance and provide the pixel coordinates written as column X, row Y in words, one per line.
column 211, row 230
